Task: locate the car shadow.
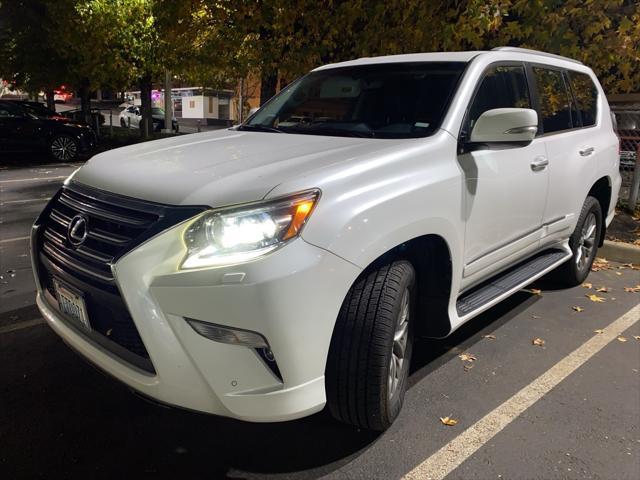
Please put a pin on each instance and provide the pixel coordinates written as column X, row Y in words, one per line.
column 67, row 417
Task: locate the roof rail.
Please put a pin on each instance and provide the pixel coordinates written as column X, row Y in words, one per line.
column 536, row 52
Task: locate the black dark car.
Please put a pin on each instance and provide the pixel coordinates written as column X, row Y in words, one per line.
column 22, row 130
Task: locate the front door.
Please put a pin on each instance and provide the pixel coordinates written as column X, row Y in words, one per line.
column 506, row 186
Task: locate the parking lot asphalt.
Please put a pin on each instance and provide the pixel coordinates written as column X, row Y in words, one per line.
column 61, row 418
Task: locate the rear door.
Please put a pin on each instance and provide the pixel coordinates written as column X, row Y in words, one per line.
column 573, row 144
column 506, row 185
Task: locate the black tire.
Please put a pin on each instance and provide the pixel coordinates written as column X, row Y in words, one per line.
column 575, row 271
column 362, row 347
column 64, row 148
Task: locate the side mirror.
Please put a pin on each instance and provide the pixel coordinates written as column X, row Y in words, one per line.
column 504, row 125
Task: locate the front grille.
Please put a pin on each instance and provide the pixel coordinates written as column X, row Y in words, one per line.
column 115, row 225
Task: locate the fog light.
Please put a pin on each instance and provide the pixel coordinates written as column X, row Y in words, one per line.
column 233, row 336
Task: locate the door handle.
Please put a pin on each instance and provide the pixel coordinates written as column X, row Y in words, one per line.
column 540, row 163
column 585, row 152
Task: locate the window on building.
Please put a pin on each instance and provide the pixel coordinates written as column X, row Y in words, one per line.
column 502, row 87
column 556, row 104
column 586, row 95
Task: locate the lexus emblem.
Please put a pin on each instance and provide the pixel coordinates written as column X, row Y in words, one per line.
column 78, row 230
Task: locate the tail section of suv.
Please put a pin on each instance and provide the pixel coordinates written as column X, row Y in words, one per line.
column 268, row 270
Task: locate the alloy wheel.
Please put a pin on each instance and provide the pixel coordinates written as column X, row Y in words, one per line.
column 63, row 148
column 400, row 338
column 586, row 243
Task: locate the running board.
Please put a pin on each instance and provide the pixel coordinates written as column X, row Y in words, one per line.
column 488, row 293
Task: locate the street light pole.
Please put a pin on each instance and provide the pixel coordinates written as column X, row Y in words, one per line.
column 168, row 103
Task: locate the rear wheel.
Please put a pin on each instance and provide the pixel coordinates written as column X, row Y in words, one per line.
column 64, row 148
column 584, row 244
column 370, row 351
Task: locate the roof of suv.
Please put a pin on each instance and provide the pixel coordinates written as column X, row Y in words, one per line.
column 449, row 57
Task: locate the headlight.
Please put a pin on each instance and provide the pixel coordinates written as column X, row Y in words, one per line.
column 239, row 234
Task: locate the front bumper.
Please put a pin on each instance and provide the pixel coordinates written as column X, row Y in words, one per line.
column 291, row 297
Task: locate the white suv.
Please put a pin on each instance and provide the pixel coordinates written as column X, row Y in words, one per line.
column 264, row 271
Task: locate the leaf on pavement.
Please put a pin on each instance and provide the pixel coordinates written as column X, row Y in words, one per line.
column 595, row 298
column 622, row 339
column 619, row 273
column 587, row 285
column 635, row 289
column 448, row 421
column 603, row 289
column 599, row 331
column 535, row 291
column 578, row 309
column 467, row 357
column 538, row 342
column 468, row 367
column 490, row 336
column 600, row 264
column 637, row 337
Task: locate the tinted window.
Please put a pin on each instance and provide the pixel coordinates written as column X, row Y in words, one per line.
column 555, row 101
column 586, row 95
column 394, row 100
column 501, row 87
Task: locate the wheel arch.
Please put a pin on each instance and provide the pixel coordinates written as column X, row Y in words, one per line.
column 601, row 191
column 431, row 258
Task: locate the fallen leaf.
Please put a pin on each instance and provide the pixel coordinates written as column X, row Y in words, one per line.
column 587, row 285
column 535, row 316
column 578, row 309
column 467, row 357
column 535, row 291
column 637, row 337
column 635, row 289
column 619, row 273
column 599, row 331
column 490, row 337
column 109, row 332
column 601, row 260
column 468, row 367
column 538, row 342
column 448, row 421
column 603, row 290
column 595, row 298
column 622, row 339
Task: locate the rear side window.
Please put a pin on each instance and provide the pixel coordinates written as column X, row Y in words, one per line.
column 503, row 86
column 556, row 104
column 586, row 96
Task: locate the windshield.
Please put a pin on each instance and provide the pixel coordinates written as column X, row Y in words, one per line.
column 393, row 100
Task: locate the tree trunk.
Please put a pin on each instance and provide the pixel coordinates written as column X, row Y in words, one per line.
column 145, row 106
column 85, row 101
column 268, row 83
column 51, row 104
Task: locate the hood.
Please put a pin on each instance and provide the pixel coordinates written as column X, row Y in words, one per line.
column 218, row 168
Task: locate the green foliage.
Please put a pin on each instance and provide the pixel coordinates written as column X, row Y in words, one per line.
column 116, row 43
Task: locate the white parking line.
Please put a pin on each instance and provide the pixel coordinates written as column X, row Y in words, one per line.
column 16, row 239
column 34, row 179
column 21, row 325
column 28, row 200
column 450, row 456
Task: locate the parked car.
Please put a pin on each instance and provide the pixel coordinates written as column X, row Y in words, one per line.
column 131, row 116
column 265, row 271
column 22, row 130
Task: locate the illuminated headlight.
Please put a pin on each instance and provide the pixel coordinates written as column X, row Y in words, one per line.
column 235, row 235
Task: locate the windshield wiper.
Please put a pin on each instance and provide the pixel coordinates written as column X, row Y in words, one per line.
column 259, row 128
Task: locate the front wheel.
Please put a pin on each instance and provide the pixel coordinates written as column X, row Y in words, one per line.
column 64, row 148
column 584, row 244
column 370, row 350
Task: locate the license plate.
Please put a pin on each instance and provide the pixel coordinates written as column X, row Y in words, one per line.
column 72, row 304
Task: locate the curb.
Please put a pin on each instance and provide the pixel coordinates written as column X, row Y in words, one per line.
column 619, row 252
